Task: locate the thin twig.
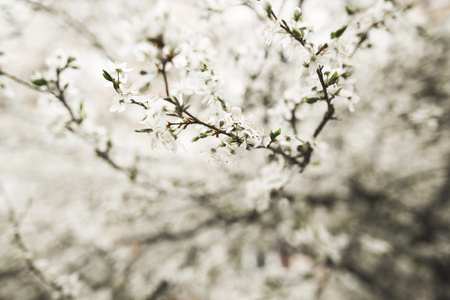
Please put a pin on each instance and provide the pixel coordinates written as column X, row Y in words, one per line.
column 60, row 95
column 22, row 82
column 27, row 255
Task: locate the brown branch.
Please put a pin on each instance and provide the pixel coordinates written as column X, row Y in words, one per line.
column 21, row 82
column 327, row 116
column 166, row 82
column 217, row 218
column 62, row 97
column 286, row 28
column 159, row 291
column 286, row 156
column 194, row 120
column 330, row 111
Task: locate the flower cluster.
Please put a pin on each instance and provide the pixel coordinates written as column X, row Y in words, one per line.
column 322, row 74
column 56, row 63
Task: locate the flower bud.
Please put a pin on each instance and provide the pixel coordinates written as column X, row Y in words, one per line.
column 297, row 14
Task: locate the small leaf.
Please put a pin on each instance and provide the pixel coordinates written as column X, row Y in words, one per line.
column 338, row 33
column 195, row 139
column 66, row 86
column 107, row 76
column 349, row 11
column 273, row 135
column 222, row 103
column 334, row 78
column 70, row 60
column 133, row 173
column 147, row 130
column 269, row 12
column 39, row 82
column 311, row 100
column 362, row 37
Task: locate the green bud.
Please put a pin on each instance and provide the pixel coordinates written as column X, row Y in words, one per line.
column 297, row 14
column 296, row 33
column 273, row 135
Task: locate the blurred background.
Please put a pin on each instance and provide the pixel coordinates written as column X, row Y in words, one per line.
column 368, row 219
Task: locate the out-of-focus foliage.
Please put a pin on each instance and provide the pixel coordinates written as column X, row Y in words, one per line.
column 89, row 210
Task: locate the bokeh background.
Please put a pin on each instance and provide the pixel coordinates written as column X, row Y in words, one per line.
column 369, row 219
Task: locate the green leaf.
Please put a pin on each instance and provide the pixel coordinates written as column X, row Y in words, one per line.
column 334, row 78
column 107, row 76
column 134, row 173
column 186, row 102
column 147, row 130
column 362, row 37
column 349, row 11
column 273, row 135
column 178, row 108
column 311, row 100
column 222, row 103
column 195, row 139
column 39, row 82
column 269, row 12
column 70, row 60
column 338, row 33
